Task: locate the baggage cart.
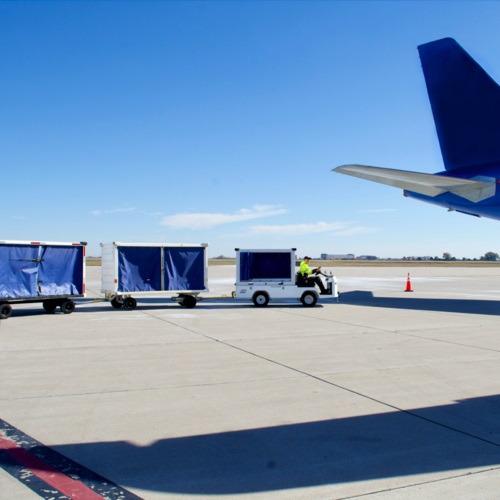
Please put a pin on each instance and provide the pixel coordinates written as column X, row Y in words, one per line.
column 134, row 269
column 35, row 271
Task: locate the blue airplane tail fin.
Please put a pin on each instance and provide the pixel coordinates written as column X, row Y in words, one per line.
column 465, row 103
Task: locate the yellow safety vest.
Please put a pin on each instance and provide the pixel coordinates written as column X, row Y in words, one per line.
column 304, row 268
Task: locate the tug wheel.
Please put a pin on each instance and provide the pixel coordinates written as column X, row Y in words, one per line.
column 260, row 299
column 309, row 299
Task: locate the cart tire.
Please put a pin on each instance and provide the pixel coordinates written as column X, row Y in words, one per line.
column 129, row 303
column 309, row 299
column 67, row 306
column 260, row 299
column 5, row 311
column 189, row 301
column 117, row 304
column 49, row 305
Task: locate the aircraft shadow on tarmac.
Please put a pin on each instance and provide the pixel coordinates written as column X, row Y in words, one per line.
column 410, row 302
column 454, row 437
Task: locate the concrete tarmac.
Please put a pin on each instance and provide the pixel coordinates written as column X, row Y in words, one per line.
column 385, row 393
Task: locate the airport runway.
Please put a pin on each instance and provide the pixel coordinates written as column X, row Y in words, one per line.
column 385, row 393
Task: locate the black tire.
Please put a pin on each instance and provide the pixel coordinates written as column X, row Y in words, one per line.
column 260, row 299
column 117, row 304
column 189, row 301
column 309, row 299
column 5, row 311
column 50, row 305
column 67, row 306
column 129, row 303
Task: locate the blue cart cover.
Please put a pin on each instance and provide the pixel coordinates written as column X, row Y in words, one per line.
column 61, row 270
column 184, row 268
column 30, row 271
column 18, row 271
column 265, row 266
column 139, row 269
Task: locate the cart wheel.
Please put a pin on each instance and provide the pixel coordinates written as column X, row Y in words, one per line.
column 129, row 303
column 5, row 311
column 49, row 305
column 309, row 299
column 67, row 306
column 260, row 299
column 117, row 304
column 188, row 301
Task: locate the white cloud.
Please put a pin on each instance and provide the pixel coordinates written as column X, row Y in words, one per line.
column 336, row 228
column 97, row 213
column 209, row 220
column 293, row 229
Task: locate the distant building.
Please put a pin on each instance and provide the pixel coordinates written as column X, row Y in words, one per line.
column 367, row 257
column 330, row 256
column 426, row 257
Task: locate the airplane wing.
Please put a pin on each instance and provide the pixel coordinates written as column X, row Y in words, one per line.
column 476, row 189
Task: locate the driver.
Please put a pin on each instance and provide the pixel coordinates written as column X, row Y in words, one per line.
column 307, row 272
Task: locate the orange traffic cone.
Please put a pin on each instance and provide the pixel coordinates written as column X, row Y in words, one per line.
column 408, row 284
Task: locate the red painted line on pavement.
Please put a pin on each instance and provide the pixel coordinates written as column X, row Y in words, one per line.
column 73, row 489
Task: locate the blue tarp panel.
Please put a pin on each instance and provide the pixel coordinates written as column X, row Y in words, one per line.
column 265, row 266
column 139, row 269
column 30, row 271
column 18, row 271
column 61, row 270
column 184, row 268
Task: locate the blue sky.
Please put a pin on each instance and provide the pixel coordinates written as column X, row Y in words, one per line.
column 220, row 122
